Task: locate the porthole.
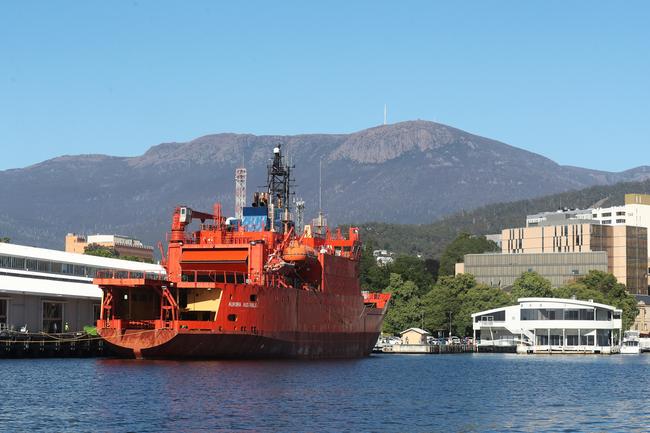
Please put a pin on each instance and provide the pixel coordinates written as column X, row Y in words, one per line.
column 253, row 298
column 232, row 317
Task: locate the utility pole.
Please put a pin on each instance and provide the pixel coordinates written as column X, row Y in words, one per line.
column 450, row 324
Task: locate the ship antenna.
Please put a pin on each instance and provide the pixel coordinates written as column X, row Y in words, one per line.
column 385, row 112
column 320, row 184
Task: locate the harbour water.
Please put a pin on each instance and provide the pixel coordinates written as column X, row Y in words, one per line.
column 414, row 393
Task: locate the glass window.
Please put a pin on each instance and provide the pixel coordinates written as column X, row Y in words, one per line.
column 3, row 313
column 571, row 315
column 586, row 314
column 52, row 317
column 607, row 214
column 556, row 340
column 602, row 314
column 587, row 340
column 572, row 340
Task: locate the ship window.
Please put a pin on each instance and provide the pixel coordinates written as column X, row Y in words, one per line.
column 253, row 298
column 232, row 317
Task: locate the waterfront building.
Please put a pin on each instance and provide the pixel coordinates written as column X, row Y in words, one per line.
column 626, row 247
column 642, row 320
column 414, row 336
column 501, row 270
column 43, row 289
column 545, row 325
column 125, row 246
column 635, row 212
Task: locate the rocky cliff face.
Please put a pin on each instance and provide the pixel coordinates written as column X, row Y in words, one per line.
column 410, row 172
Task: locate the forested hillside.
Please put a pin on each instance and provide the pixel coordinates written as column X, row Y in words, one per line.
column 431, row 239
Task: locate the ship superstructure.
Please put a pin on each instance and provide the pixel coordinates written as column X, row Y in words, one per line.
column 246, row 287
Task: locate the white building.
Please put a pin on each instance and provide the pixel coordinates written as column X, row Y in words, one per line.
column 43, row 289
column 543, row 325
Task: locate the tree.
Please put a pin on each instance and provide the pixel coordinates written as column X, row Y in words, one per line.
column 531, row 285
column 479, row 298
column 612, row 292
column 374, row 278
column 405, row 310
column 464, row 243
column 101, row 251
column 444, row 301
column 5, row 240
column 412, row 269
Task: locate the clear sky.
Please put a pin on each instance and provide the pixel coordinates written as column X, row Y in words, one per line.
column 567, row 79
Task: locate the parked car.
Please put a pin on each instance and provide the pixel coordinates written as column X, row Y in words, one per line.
column 454, row 340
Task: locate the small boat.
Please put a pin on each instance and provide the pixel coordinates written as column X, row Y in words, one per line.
column 631, row 343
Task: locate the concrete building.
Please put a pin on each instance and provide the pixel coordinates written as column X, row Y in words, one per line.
column 124, row 246
column 43, row 289
column 561, row 216
column 414, row 336
column 501, row 270
column 545, row 325
column 635, row 212
column 626, row 247
column 642, row 320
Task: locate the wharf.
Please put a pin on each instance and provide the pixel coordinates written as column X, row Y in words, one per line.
column 427, row 348
column 40, row 345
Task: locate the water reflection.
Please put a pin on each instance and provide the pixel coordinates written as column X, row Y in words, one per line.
column 380, row 393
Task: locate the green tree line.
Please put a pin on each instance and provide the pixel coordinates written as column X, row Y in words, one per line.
column 445, row 302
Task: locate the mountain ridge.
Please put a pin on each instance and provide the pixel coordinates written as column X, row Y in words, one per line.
column 409, row 172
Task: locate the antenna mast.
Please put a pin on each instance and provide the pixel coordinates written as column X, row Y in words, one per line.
column 240, row 192
column 385, row 113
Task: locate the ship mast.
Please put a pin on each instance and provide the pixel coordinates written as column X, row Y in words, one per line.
column 279, row 191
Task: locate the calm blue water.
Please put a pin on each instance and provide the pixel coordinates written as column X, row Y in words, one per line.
column 402, row 393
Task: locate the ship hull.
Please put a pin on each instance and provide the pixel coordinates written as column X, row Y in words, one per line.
column 250, row 346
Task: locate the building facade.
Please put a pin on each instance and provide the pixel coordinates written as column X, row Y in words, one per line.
column 124, row 246
column 626, row 247
column 545, row 325
column 501, row 270
column 44, row 290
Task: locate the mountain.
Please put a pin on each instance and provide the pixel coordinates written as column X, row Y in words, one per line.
column 409, row 172
column 431, row 239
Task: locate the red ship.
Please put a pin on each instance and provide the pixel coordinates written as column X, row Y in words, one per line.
column 246, row 288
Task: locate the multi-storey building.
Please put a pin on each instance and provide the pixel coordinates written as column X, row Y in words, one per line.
column 626, row 247
column 124, row 245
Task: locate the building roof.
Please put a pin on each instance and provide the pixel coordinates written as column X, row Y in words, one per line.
column 576, row 302
column 75, row 258
column 49, row 288
column 418, row 330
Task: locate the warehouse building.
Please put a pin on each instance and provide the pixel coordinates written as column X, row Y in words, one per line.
column 44, row 290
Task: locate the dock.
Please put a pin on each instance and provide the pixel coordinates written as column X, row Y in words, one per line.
column 15, row 344
column 427, row 348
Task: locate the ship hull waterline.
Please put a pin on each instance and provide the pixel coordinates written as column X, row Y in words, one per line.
column 208, row 345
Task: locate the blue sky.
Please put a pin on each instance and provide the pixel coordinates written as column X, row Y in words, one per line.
column 569, row 80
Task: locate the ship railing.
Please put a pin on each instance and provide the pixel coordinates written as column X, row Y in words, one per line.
column 123, row 275
column 138, row 324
